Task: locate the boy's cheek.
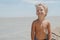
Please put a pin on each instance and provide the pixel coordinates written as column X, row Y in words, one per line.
column 37, row 13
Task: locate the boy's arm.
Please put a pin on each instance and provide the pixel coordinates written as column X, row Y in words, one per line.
column 49, row 32
column 33, row 31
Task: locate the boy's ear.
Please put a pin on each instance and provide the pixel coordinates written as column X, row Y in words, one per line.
column 46, row 10
column 45, row 14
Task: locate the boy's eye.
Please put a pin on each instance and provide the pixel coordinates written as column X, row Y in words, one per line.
column 37, row 10
column 41, row 10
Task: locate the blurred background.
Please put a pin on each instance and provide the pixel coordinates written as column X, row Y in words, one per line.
column 16, row 17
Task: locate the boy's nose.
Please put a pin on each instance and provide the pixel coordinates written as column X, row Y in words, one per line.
column 39, row 11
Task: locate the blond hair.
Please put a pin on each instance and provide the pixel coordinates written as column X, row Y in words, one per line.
column 44, row 6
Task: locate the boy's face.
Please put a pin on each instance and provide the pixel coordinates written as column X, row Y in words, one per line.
column 40, row 11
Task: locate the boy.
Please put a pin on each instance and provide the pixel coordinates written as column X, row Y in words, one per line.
column 41, row 27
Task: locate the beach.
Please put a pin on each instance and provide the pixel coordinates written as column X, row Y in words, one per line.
column 19, row 28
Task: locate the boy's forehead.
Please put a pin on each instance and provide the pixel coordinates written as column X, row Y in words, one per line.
column 40, row 7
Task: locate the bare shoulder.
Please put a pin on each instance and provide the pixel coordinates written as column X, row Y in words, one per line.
column 47, row 21
column 34, row 22
column 33, row 25
column 48, row 24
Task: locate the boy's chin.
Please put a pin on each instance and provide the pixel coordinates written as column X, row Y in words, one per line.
column 40, row 16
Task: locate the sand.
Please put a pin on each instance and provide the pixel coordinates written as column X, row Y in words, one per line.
column 19, row 28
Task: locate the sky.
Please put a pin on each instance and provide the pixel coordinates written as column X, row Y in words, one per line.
column 26, row 8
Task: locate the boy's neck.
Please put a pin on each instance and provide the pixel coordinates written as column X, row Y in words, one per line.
column 40, row 19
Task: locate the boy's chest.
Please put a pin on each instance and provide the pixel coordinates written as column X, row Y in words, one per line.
column 42, row 25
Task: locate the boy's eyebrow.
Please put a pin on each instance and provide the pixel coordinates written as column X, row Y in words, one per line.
column 44, row 6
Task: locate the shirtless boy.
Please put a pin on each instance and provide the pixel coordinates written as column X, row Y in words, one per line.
column 41, row 27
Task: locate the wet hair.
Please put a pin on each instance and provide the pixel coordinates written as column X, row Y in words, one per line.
column 44, row 6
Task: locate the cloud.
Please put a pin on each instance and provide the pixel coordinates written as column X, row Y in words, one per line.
column 37, row 1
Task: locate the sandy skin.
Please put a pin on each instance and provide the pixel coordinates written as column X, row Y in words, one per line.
column 40, row 26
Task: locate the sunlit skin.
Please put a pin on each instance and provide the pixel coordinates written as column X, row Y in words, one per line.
column 40, row 26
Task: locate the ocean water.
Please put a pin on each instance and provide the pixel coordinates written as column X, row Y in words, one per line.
column 19, row 28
